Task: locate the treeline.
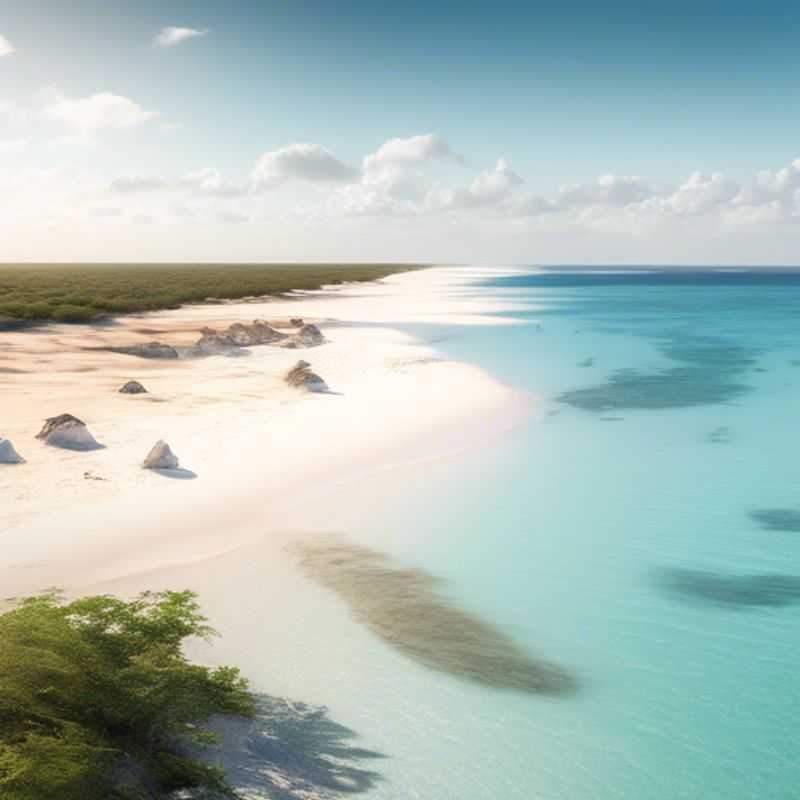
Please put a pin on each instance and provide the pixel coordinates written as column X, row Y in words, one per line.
column 84, row 292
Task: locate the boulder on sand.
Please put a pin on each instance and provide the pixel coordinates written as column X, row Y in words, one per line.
column 307, row 336
column 8, row 455
column 132, row 387
column 68, row 432
column 160, row 457
column 300, row 376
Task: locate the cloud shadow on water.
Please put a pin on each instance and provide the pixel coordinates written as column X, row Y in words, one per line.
column 777, row 519
column 403, row 608
column 731, row 590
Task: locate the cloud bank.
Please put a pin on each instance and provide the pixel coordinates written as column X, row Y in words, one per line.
column 410, row 198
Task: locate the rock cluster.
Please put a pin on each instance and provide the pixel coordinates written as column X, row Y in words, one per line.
column 67, row 431
column 132, row 387
column 161, row 457
column 231, row 341
column 240, row 335
column 8, row 455
column 300, row 376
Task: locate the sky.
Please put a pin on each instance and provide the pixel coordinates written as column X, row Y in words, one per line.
column 501, row 132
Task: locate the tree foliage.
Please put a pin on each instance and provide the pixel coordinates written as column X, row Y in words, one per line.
column 97, row 698
column 83, row 292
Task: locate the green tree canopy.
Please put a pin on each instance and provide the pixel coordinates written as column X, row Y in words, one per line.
column 97, row 698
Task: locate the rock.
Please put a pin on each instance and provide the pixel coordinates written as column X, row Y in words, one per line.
column 213, row 342
column 307, row 336
column 259, row 332
column 161, row 457
column 8, row 455
column 300, row 376
column 68, row 432
column 296, row 322
column 133, row 387
column 148, row 350
column 90, row 476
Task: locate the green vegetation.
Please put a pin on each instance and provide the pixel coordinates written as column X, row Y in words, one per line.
column 97, row 699
column 82, row 292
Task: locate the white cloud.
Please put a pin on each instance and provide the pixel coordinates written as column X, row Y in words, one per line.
column 412, row 150
column 6, row 48
column 776, row 192
column 12, row 114
column 209, row 182
column 13, row 146
column 106, row 211
column 232, row 217
column 308, row 162
column 172, row 36
column 132, row 184
column 88, row 115
column 610, row 189
column 530, row 206
column 701, row 193
column 489, row 188
column 392, row 181
column 206, row 182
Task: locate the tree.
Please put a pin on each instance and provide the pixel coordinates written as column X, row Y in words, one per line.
column 97, row 699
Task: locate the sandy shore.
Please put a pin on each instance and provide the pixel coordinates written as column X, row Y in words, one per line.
column 255, row 450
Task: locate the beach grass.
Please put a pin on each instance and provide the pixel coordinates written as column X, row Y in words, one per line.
column 85, row 292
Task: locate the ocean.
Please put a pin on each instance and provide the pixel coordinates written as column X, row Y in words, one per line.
column 640, row 535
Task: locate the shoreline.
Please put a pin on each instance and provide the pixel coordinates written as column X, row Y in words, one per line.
column 259, row 449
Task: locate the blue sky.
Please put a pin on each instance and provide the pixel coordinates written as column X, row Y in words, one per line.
column 681, row 106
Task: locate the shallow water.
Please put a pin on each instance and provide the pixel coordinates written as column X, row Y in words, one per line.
column 641, row 534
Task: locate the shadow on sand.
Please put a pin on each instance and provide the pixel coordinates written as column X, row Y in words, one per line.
column 403, row 607
column 290, row 751
column 178, row 474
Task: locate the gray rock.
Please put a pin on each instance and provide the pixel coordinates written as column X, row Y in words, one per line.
column 67, row 431
column 300, row 376
column 148, row 350
column 8, row 455
column 308, row 336
column 133, row 387
column 161, row 457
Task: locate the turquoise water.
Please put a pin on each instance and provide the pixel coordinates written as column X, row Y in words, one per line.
column 642, row 533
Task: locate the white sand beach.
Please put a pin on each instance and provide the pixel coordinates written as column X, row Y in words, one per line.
column 252, row 450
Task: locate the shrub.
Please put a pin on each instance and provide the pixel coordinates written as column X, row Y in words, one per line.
column 72, row 313
column 96, row 697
